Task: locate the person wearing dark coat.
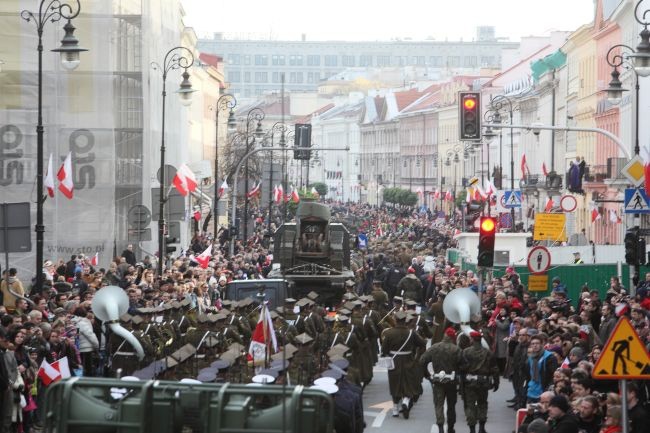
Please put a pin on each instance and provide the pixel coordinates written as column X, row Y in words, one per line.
column 70, row 267
column 129, row 255
column 560, row 418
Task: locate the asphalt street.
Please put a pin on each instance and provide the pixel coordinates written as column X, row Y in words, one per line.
column 378, row 415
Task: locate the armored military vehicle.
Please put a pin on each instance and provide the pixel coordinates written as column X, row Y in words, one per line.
column 313, row 253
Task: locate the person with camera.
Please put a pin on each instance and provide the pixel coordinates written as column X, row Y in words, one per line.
column 536, row 411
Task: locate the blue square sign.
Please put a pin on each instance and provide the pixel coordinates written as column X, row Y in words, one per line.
column 636, row 201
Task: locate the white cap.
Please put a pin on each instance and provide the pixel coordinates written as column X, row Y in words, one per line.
column 263, row 378
column 328, row 388
column 191, row 381
column 130, row 379
column 325, row 381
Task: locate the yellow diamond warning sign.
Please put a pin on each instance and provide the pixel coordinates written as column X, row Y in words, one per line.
column 624, row 356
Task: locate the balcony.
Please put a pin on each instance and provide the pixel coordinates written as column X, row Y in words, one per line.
column 596, row 173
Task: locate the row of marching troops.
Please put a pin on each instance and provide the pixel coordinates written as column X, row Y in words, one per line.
column 333, row 350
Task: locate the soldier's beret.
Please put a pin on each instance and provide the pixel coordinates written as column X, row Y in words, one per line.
column 344, row 311
column 348, row 306
column 342, row 318
column 304, row 339
column 229, row 356
column 337, row 350
column 400, row 315
column 274, row 315
column 302, row 302
column 246, row 302
column 357, row 304
column 329, row 318
column 225, row 311
column 202, row 318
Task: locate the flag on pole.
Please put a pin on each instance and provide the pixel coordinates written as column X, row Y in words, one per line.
column 263, row 337
column 448, row 196
column 645, row 155
column 549, row 205
column 295, row 197
column 613, row 217
column 66, row 186
column 544, row 170
column 595, row 215
column 524, row 166
column 469, row 195
column 223, row 187
column 255, row 192
column 204, row 258
column 436, row 194
column 184, row 180
column 95, row 260
column 49, row 177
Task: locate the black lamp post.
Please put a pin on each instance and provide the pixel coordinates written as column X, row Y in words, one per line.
column 282, row 129
column 225, row 102
column 176, row 58
column 254, row 115
column 497, row 104
column 49, row 11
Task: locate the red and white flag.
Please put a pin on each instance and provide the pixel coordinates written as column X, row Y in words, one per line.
column 613, row 217
column 490, row 189
column 436, row 194
column 645, row 155
column 223, row 188
column 50, row 373
column 49, row 177
column 595, row 215
column 197, row 215
column 544, row 170
column 204, row 258
column 263, row 337
column 184, row 180
column 279, row 194
column 448, row 196
column 255, row 192
column 549, row 205
column 566, row 363
column 295, row 197
column 95, row 260
column 524, row 167
column 66, row 186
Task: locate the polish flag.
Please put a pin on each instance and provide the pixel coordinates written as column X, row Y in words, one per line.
column 595, row 215
column 295, row 197
column 613, row 217
column 190, row 179
column 204, row 258
column 279, row 193
column 65, row 177
column 436, row 194
column 549, row 205
column 469, row 195
column 223, row 188
column 566, row 363
column 263, row 337
column 448, row 196
column 524, row 167
column 255, row 191
column 50, row 373
column 49, row 177
column 95, row 260
column 197, row 215
column 544, row 170
column 646, row 167
column 379, row 232
column 489, row 187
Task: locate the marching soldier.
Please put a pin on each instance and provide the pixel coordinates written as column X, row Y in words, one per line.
column 438, row 317
column 410, row 287
column 302, row 367
column 361, row 325
column 480, row 373
column 444, row 358
column 400, row 343
column 380, row 297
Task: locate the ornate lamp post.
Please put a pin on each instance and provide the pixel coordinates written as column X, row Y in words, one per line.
column 49, row 11
column 176, row 58
column 498, row 103
column 225, row 102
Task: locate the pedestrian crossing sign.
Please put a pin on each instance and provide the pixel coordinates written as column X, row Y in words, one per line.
column 624, row 355
column 512, row 199
column 636, row 201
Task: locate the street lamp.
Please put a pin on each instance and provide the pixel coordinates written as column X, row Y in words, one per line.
column 282, row 129
column 225, row 102
column 176, row 58
column 497, row 104
column 641, row 56
column 49, row 11
column 254, row 115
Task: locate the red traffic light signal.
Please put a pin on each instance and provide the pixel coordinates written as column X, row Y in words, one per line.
column 487, row 225
column 469, row 115
column 486, row 240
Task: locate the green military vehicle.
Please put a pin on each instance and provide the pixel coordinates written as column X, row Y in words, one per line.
column 273, row 290
column 313, row 253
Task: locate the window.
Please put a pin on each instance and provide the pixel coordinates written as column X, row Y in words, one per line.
column 418, row 60
column 487, row 61
column 276, row 77
column 234, row 59
column 295, row 60
column 469, row 62
column 383, row 60
column 247, row 77
column 435, row 61
column 401, row 61
column 247, row 59
column 331, row 60
column 298, row 77
column 365, row 60
column 313, row 60
column 261, row 59
column 453, row 61
column 278, row 60
column 234, row 76
column 347, row 60
column 261, row 77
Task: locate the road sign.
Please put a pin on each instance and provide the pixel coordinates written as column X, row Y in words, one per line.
column 505, row 220
column 550, row 227
column 624, row 355
column 512, row 199
column 633, row 170
column 636, row 201
column 537, row 283
column 539, row 260
column 568, row 203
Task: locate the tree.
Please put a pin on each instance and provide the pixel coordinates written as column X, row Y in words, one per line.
column 320, row 187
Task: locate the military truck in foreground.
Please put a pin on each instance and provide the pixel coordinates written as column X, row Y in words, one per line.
column 313, row 253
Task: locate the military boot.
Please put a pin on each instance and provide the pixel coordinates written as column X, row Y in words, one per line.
column 406, row 407
column 472, row 428
column 395, row 409
column 481, row 427
column 441, row 428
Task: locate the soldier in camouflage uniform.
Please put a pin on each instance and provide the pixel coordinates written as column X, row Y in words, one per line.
column 444, row 358
column 400, row 343
column 480, row 373
column 303, row 367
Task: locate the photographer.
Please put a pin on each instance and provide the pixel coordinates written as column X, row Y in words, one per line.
column 537, row 411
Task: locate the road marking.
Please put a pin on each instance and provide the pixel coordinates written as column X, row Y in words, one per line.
column 385, row 407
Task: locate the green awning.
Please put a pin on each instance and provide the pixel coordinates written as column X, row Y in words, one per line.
column 548, row 63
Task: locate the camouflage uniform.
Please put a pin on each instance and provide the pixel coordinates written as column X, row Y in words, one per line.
column 480, row 362
column 443, row 356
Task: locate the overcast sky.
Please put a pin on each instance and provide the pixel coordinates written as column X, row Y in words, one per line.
column 384, row 20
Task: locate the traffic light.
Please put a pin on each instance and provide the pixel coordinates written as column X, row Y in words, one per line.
column 169, row 248
column 640, row 247
column 632, row 247
column 469, row 115
column 234, row 231
column 472, row 212
column 486, row 239
column 302, row 138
